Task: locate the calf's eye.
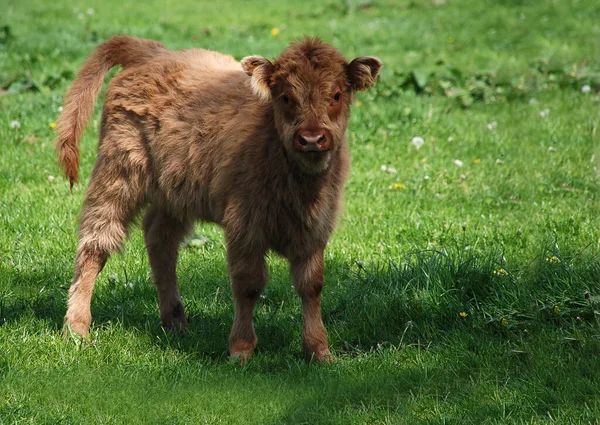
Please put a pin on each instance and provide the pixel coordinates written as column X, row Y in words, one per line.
column 337, row 96
column 286, row 99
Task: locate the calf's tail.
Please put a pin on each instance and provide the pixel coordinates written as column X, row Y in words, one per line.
column 79, row 101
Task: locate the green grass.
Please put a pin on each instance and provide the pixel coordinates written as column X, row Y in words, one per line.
column 511, row 238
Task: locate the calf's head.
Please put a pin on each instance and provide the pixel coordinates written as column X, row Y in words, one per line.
column 310, row 87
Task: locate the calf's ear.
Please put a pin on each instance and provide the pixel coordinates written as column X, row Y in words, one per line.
column 363, row 71
column 259, row 69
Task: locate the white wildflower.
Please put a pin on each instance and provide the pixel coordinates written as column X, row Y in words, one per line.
column 450, row 138
column 15, row 124
column 383, row 167
column 50, row 179
column 586, row 88
column 544, row 113
column 90, row 11
column 418, row 142
column 458, row 163
column 391, row 170
column 492, row 125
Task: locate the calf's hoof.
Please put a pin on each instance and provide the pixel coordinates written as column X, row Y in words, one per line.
column 175, row 319
column 318, row 356
column 241, row 350
column 76, row 325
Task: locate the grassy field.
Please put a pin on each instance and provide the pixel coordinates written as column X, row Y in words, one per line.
column 462, row 285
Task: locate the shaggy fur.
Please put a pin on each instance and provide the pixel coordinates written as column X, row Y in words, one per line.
column 258, row 147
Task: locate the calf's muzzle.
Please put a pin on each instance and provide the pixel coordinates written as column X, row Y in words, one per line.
column 319, row 140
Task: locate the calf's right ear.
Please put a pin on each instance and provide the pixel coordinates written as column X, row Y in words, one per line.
column 260, row 70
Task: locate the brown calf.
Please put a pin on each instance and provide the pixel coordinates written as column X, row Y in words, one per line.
column 258, row 147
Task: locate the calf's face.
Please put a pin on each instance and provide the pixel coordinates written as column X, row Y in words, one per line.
column 310, row 87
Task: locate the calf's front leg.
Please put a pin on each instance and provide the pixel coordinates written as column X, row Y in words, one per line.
column 308, row 276
column 248, row 279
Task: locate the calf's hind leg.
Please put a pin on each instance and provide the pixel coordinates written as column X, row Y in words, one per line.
column 163, row 234
column 112, row 201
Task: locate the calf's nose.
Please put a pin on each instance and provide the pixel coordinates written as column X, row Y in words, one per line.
column 311, row 137
column 312, row 141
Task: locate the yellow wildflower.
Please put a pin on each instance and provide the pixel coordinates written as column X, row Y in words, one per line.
column 52, row 125
column 424, row 160
column 500, row 272
column 463, row 314
column 398, row 186
column 274, row 31
column 476, row 160
column 553, row 259
column 357, row 103
column 504, row 321
column 557, row 309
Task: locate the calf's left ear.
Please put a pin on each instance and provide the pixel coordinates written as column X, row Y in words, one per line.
column 363, row 71
column 259, row 69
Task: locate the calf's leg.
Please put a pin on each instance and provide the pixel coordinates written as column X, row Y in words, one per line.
column 248, row 279
column 308, row 276
column 112, row 200
column 163, row 234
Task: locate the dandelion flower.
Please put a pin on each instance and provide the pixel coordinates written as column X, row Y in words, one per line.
column 418, row 142
column 398, row 186
column 424, row 160
column 274, row 31
column 52, row 125
column 476, row 160
column 458, row 163
column 586, row 88
column 357, row 103
column 463, row 314
column 15, row 124
column 554, row 259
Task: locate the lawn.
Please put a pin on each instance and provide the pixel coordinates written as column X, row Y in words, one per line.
column 463, row 281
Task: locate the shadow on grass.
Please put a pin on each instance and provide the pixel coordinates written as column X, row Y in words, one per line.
column 429, row 295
